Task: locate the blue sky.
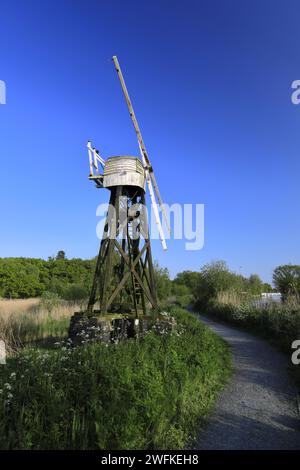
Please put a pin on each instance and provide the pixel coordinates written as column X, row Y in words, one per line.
column 211, row 85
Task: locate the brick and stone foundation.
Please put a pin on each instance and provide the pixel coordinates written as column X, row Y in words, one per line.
column 114, row 328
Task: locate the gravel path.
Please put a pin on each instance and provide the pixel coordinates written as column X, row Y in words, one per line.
column 258, row 409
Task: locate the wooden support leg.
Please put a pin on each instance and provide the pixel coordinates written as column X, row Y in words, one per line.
column 97, row 274
column 150, row 263
column 111, row 244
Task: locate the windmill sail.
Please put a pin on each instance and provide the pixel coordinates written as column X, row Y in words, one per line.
column 151, row 181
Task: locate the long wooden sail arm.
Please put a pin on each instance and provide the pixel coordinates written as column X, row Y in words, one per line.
column 144, row 153
column 132, row 113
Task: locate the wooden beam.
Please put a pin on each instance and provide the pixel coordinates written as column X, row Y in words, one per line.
column 126, row 276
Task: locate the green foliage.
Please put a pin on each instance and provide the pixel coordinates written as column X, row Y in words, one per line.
column 266, row 287
column 70, row 279
column 75, row 292
column 183, row 288
column 21, row 277
column 187, row 279
column 162, row 282
column 61, row 255
column 180, row 289
column 281, row 322
column 215, row 278
column 50, row 301
column 147, row 393
column 30, row 277
column 245, row 307
column 255, row 284
column 44, row 320
column 276, row 322
column 287, row 280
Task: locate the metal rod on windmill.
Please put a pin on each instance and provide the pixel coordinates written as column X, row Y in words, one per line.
column 150, row 177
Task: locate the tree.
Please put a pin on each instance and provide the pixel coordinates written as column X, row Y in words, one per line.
column 214, row 278
column 21, row 277
column 286, row 279
column 255, row 284
column 266, row 287
column 162, row 282
column 75, row 292
column 60, row 255
column 189, row 279
column 30, row 277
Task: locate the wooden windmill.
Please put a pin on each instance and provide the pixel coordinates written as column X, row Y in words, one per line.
column 124, row 278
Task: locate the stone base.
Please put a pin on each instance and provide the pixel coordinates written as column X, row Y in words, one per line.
column 114, row 328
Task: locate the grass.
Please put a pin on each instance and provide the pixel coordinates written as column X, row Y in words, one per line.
column 30, row 320
column 279, row 323
column 275, row 321
column 147, row 393
column 9, row 307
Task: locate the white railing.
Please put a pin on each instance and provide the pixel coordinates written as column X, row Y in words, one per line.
column 94, row 159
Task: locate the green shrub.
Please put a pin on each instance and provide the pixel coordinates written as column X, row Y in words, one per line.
column 287, row 281
column 75, row 292
column 50, row 301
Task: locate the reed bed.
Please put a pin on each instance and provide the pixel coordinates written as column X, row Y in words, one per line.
column 30, row 320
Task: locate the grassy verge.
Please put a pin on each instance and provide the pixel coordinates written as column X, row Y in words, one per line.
column 277, row 323
column 148, row 393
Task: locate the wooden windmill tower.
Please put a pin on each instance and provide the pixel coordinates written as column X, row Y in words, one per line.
column 124, row 276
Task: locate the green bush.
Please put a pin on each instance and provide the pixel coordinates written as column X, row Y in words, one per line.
column 278, row 322
column 31, row 277
column 216, row 279
column 287, row 281
column 75, row 292
column 49, row 301
column 148, row 393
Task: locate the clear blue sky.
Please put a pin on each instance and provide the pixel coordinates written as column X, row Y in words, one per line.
column 211, row 85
